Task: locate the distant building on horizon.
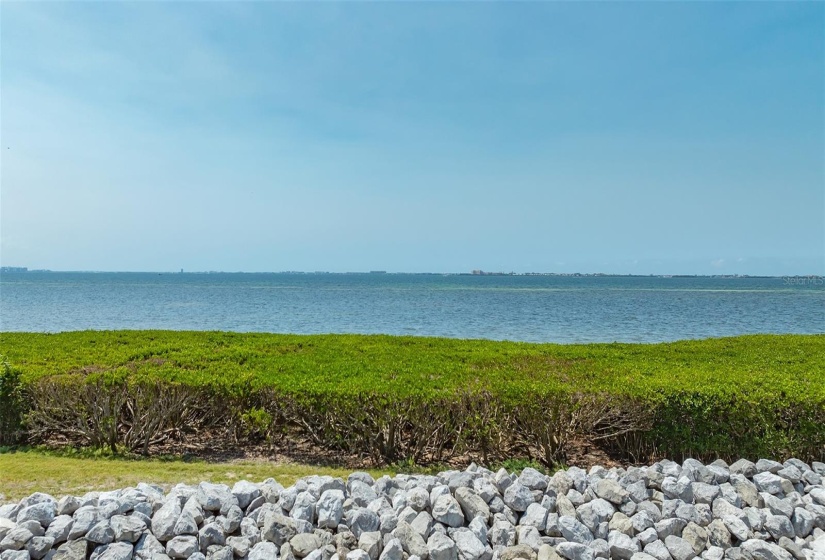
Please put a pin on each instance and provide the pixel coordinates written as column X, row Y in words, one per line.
column 13, row 269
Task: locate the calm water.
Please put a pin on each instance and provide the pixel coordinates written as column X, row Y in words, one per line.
column 559, row 309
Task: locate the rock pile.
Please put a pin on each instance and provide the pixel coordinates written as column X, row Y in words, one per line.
column 762, row 511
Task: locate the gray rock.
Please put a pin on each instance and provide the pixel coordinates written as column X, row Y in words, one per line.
column 535, row 516
column 422, row 524
column 362, row 520
column 789, row 545
column 263, row 551
column 42, row 512
column 186, row 524
column 621, row 545
column 60, row 528
column 330, row 509
column 361, row 492
column 658, row 550
column 595, row 512
column 211, row 534
column 411, row 541
column 468, row 546
column 547, row 552
column 761, row 550
column 704, row 493
column 14, row 555
column 621, row 523
column 447, row 510
column 718, row 534
column 768, row 482
column 779, row 526
column 72, row 550
column 147, row 546
column 245, row 491
column 533, row 479
column 696, row 536
column 529, row 536
column 304, row 506
column 128, row 529
column 803, row 522
column 574, row 551
column 767, row 465
column 746, row 489
column 164, row 520
column 669, row 527
column 102, row 533
column 371, row 544
column 357, row 554
column 611, row 491
column 736, row 527
column 518, row 497
column 441, row 547
column 679, row 548
column 418, row 498
column 215, row 497
column 393, row 550
column 574, row 531
column 743, row 467
column 38, row 547
column 304, row 543
column 114, row 551
column 182, row 547
column 472, row 504
column 240, row 545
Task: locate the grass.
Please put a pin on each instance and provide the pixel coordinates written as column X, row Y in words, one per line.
column 23, row 472
column 348, row 364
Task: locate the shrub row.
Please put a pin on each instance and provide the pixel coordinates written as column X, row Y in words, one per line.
column 388, row 429
column 393, row 399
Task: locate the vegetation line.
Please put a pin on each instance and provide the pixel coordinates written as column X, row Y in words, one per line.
column 419, row 400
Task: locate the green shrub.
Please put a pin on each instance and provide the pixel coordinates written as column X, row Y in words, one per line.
column 13, row 404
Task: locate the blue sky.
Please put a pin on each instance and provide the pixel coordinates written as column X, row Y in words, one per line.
column 682, row 137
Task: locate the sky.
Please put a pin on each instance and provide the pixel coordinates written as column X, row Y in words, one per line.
column 638, row 137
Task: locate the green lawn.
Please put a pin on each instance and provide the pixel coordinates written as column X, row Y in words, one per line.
column 25, row 472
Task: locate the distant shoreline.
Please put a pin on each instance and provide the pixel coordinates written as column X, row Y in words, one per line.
column 24, row 270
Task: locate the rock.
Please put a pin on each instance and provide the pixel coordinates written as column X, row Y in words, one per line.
column 523, row 551
column 768, row 482
column 371, row 544
column 304, row 507
column 595, row 512
column 518, row 497
column 304, row 543
column 547, row 552
column 164, row 520
column 696, row 536
column 779, row 526
column 761, row 550
column 182, row 547
column 441, row 547
column 736, row 527
column 621, row 545
column 411, row 541
column 418, row 498
column 357, row 554
column 743, row 467
column 529, row 536
column 472, row 504
column 211, row 534
column 574, row 531
column 38, row 547
column 718, row 534
column 393, row 550
column 533, row 479
column 72, row 550
column 245, row 492
column 611, row 491
column 102, row 533
column 423, row 524
column 330, row 509
column 467, row 545
column 60, row 528
column 658, row 550
column 361, row 492
column 535, row 516
column 679, row 548
column 42, row 512
column 128, row 529
column 114, row 551
column 147, row 546
column 803, row 522
column 67, row 505
column 621, row 523
column 574, row 551
column 263, row 551
column 362, row 520
column 186, row 524
column 447, row 510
